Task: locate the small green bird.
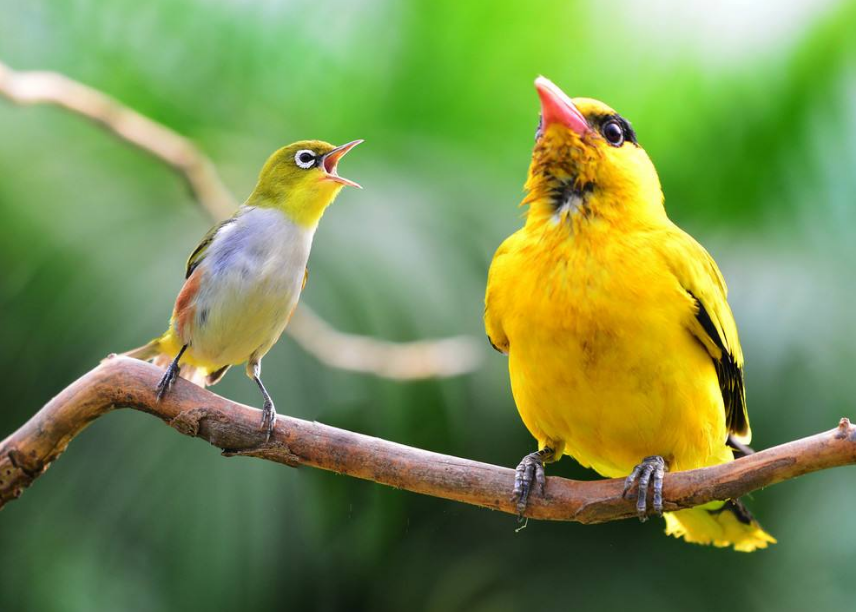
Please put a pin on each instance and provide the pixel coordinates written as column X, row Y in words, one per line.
column 245, row 277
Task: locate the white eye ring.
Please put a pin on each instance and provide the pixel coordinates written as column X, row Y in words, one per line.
column 304, row 164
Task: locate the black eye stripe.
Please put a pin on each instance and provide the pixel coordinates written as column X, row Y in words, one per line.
column 600, row 121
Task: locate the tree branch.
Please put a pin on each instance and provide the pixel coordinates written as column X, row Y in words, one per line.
column 398, row 360
column 125, row 382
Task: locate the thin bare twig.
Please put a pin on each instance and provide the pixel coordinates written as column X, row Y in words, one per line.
column 30, row 88
column 396, row 360
column 399, row 360
column 124, row 382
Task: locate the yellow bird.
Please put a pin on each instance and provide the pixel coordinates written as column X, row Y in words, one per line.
column 244, row 278
column 622, row 349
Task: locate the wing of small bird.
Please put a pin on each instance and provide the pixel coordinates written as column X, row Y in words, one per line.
column 198, row 253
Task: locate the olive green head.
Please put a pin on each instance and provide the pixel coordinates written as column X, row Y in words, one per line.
column 302, row 179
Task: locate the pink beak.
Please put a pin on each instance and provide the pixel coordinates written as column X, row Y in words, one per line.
column 556, row 107
column 330, row 163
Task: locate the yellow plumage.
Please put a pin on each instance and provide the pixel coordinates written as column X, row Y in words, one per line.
column 600, row 302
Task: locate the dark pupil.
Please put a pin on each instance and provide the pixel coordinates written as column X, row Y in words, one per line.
column 306, row 157
column 613, row 132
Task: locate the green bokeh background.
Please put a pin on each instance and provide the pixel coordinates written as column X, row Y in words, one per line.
column 749, row 115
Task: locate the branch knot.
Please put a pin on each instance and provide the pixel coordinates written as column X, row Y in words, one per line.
column 187, row 421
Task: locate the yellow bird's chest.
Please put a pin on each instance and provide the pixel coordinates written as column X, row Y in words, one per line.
column 601, row 362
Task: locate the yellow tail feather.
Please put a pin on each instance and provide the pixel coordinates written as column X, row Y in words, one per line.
column 146, row 352
column 721, row 524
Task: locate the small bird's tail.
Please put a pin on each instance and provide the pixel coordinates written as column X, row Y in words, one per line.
column 149, row 352
column 161, row 351
column 722, row 524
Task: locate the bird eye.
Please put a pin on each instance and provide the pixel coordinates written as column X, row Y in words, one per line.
column 613, row 132
column 304, row 158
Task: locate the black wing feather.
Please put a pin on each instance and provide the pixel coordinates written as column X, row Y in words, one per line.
column 730, row 375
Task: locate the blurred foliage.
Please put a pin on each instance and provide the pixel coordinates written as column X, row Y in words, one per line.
column 748, row 112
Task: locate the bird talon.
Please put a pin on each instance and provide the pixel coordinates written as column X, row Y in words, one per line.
column 649, row 472
column 168, row 379
column 529, row 470
column 268, row 419
column 630, row 480
column 162, row 388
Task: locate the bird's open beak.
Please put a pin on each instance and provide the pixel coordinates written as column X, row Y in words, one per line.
column 330, row 161
column 556, row 107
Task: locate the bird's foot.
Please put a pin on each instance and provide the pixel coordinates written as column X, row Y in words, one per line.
column 172, row 372
column 650, row 471
column 529, row 470
column 167, row 381
column 268, row 419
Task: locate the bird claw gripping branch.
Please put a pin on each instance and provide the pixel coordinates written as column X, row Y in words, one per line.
column 650, row 472
column 529, row 470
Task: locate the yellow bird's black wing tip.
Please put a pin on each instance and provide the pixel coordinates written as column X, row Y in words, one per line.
column 729, row 373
